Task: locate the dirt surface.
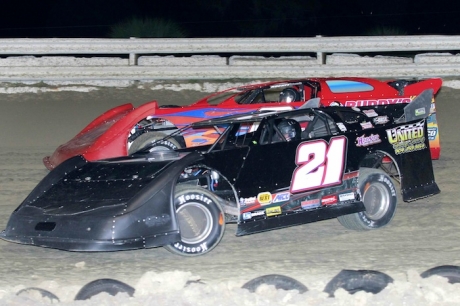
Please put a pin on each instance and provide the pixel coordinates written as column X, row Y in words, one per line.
column 423, row 234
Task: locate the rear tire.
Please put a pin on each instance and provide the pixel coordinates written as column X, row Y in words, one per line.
column 378, row 194
column 150, row 137
column 201, row 221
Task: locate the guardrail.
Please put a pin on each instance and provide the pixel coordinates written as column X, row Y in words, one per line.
column 224, row 58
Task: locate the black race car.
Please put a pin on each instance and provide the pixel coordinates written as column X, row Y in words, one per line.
column 265, row 171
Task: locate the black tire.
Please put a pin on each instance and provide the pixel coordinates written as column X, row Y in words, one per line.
column 358, row 280
column 44, row 293
column 378, row 194
column 201, row 221
column 149, row 137
column 110, row 286
column 277, row 280
column 452, row 273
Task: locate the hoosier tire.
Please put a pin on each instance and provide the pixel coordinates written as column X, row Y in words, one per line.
column 201, row 221
column 150, row 137
column 378, row 194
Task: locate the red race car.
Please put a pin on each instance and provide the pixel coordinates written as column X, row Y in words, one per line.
column 126, row 129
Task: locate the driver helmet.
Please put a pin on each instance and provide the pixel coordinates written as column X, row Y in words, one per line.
column 289, row 95
column 289, row 128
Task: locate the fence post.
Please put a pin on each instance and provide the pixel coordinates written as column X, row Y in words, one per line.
column 133, row 57
column 320, row 56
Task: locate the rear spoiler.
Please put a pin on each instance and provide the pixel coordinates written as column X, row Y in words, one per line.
column 419, row 108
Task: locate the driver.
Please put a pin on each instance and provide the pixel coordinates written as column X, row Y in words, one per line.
column 290, row 129
column 289, row 95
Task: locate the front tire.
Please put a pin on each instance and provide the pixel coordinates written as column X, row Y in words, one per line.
column 378, row 194
column 201, row 221
column 150, row 137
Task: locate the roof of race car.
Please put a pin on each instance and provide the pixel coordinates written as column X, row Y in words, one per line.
column 255, row 116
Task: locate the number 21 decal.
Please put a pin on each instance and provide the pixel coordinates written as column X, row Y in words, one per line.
column 319, row 164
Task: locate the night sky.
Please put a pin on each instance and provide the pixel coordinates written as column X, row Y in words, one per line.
column 232, row 18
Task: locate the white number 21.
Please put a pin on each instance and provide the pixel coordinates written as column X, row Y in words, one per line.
column 319, row 164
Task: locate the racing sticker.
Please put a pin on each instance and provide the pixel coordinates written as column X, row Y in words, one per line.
column 407, row 138
column 247, row 201
column 329, row 200
column 319, row 164
column 281, row 197
column 420, row 111
column 370, row 113
column 358, row 103
column 264, row 198
column 250, row 215
column 381, row 120
column 341, row 126
column 364, row 141
column 349, row 196
column 432, row 133
column 310, row 204
column 273, row 211
column 366, row 125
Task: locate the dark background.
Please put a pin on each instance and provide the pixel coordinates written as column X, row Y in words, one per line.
column 233, row 18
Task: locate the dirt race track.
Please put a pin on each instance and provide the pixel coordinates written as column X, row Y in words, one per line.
column 423, row 234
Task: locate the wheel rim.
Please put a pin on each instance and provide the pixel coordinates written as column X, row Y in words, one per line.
column 376, row 199
column 195, row 222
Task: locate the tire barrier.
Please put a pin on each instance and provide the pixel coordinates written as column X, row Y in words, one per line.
column 277, row 280
column 352, row 281
column 110, row 286
column 43, row 293
column 358, row 280
column 452, row 273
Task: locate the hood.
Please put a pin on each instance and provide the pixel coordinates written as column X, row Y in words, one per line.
column 101, row 185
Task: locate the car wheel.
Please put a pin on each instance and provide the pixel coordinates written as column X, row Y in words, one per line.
column 378, row 194
column 149, row 137
column 201, row 221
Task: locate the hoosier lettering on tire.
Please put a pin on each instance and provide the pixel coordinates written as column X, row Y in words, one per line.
column 201, row 221
column 378, row 194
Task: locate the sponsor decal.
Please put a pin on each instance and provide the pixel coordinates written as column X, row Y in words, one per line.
column 370, row 113
column 350, row 196
column 366, row 125
column 432, row 132
column 281, row 197
column 341, row 127
column 310, row 204
column 329, row 200
column 364, row 141
column 407, row 138
column 273, row 211
column 420, row 111
column 247, row 201
column 264, row 198
column 358, row 103
column 250, row 215
column 381, row 120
